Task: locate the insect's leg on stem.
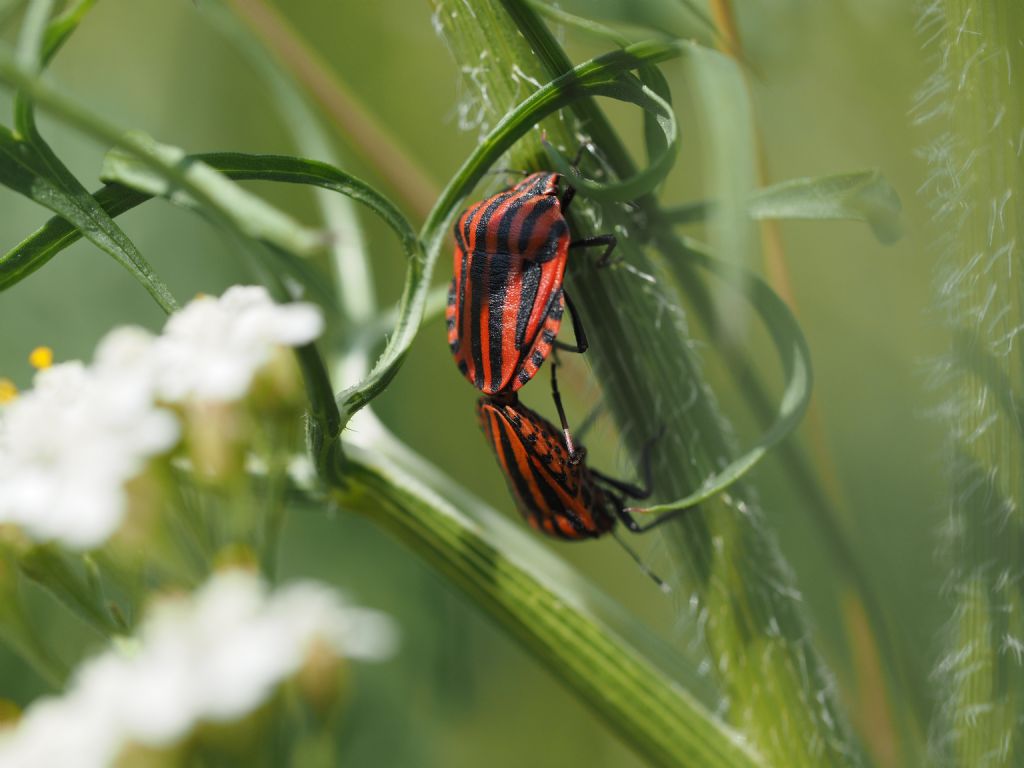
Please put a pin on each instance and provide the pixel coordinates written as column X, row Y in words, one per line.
column 574, row 456
column 582, row 344
column 635, row 527
column 609, row 241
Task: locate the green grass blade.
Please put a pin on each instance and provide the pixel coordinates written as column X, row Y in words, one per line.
column 859, row 196
column 57, row 234
column 34, row 172
column 796, row 364
column 250, row 215
column 662, row 157
column 30, row 167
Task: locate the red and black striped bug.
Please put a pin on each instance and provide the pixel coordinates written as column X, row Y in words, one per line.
column 554, row 489
column 506, row 300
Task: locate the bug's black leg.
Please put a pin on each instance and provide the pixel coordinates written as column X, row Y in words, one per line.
column 609, row 241
column 635, row 527
column 631, row 490
column 575, row 456
column 582, row 344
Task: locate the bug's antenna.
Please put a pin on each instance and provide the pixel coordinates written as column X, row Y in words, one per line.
column 662, row 585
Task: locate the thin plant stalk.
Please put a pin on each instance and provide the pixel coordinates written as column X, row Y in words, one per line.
column 742, row 596
column 975, row 103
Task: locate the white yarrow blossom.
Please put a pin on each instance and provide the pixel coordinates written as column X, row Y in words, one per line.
column 212, row 349
column 67, row 448
column 211, row 657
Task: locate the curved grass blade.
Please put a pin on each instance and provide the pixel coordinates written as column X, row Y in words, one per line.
column 795, row 357
column 582, row 81
column 248, row 213
column 662, row 149
column 659, row 139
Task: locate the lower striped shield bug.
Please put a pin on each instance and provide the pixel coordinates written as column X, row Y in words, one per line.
column 554, row 489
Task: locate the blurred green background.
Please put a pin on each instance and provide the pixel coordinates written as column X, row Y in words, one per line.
column 833, row 90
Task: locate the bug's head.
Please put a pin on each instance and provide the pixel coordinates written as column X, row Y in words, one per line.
column 540, row 183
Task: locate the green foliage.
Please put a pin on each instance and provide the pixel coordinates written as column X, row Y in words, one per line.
column 645, row 314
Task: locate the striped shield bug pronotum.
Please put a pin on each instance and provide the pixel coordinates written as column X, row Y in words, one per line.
column 506, row 300
column 554, row 489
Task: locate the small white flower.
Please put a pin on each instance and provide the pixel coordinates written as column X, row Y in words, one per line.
column 68, row 446
column 212, row 348
column 213, row 657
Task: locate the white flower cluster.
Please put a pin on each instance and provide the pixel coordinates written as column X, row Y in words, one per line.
column 68, row 446
column 213, row 657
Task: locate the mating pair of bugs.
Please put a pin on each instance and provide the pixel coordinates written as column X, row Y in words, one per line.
column 505, row 308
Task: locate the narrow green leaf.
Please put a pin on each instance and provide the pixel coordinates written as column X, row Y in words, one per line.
column 30, row 167
column 795, row 357
column 33, row 31
column 249, row 214
column 35, row 173
column 57, row 234
column 60, row 29
column 664, row 147
column 863, row 196
column 587, row 78
column 655, row 138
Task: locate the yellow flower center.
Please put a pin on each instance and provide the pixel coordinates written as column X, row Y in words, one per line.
column 40, row 358
column 7, row 391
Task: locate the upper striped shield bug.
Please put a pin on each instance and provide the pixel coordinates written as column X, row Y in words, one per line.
column 506, row 299
column 555, row 490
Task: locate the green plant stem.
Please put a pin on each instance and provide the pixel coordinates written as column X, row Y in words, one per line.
column 744, row 602
column 660, row 720
column 975, row 96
